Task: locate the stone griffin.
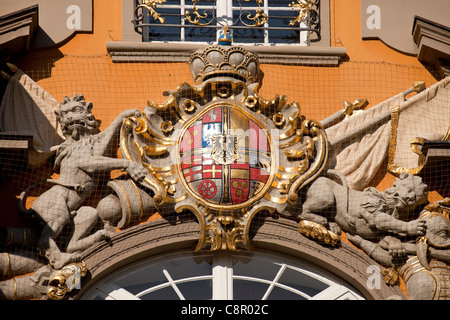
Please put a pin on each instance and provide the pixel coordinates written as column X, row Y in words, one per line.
column 80, row 160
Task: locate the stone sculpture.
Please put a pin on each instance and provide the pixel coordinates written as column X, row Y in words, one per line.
column 423, row 261
column 370, row 214
column 384, row 226
column 79, row 159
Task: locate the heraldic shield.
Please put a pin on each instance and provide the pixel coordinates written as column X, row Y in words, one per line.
column 219, row 150
column 225, row 157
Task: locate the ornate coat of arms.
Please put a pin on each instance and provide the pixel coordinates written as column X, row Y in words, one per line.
column 222, row 152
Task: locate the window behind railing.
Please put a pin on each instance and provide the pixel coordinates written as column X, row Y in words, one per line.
column 249, row 21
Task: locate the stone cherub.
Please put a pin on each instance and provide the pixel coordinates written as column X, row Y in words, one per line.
column 370, row 213
column 80, row 160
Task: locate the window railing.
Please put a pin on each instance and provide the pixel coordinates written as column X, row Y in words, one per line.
column 250, row 21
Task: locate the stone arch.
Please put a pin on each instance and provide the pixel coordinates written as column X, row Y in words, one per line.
column 275, row 235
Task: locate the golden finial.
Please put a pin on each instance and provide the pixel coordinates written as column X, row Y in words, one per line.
column 225, row 38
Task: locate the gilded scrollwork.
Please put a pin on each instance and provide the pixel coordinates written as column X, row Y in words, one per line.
column 197, row 17
column 318, row 232
column 208, row 16
column 65, row 280
column 258, row 19
column 303, row 7
column 350, row 109
column 151, row 6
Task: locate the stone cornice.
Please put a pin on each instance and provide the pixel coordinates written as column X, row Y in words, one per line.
column 175, row 52
column 17, row 30
column 433, row 43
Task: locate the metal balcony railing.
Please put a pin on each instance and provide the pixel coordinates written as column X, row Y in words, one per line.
column 260, row 21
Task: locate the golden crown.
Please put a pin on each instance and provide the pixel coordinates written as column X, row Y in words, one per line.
column 232, row 62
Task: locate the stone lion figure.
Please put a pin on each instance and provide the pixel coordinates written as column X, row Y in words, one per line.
column 370, row 213
column 423, row 262
column 80, row 160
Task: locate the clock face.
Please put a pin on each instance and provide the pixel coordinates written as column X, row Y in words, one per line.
column 226, row 157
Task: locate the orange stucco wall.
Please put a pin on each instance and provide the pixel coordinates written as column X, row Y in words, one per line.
column 372, row 70
column 346, row 26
